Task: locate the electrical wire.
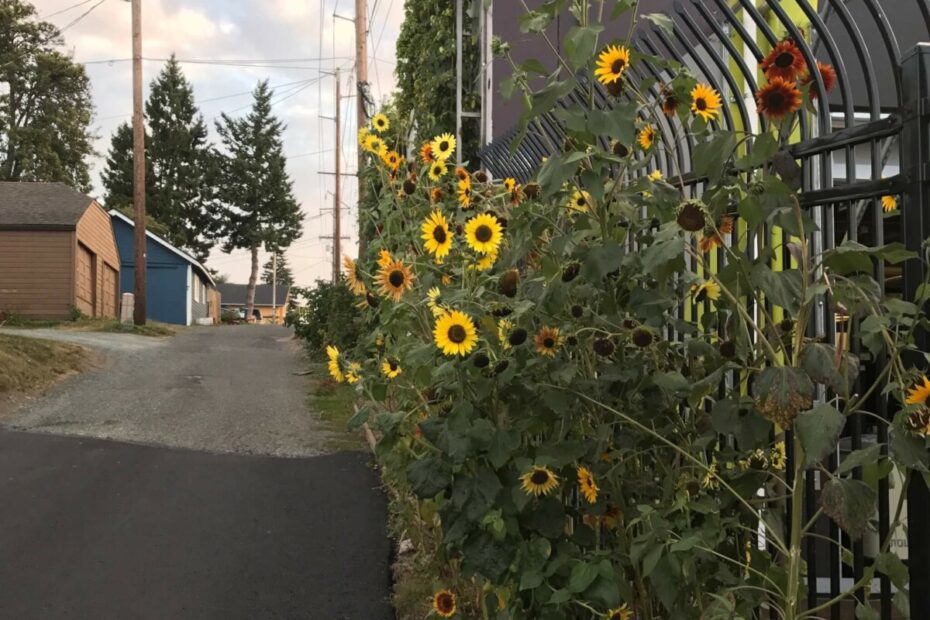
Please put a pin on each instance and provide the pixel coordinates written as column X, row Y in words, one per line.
column 65, row 10
column 81, row 16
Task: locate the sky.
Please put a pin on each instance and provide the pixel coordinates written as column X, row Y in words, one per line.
column 295, row 44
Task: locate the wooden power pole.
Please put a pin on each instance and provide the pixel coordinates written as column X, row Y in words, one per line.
column 274, row 286
column 361, row 76
column 138, row 162
column 337, row 198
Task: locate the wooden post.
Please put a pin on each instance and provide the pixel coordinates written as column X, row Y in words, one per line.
column 337, row 198
column 138, row 161
column 274, row 286
column 361, row 77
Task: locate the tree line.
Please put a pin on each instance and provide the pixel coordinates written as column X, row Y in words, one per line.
column 236, row 194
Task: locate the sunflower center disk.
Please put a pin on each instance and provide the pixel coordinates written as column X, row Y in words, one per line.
column 483, row 233
column 396, row 278
column 444, row 602
column 539, row 477
column 618, row 66
column 548, row 343
column 784, row 60
column 776, row 101
column 439, row 234
column 701, row 104
column 457, row 334
column 443, row 146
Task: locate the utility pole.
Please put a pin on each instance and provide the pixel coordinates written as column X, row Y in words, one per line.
column 361, row 76
column 138, row 162
column 337, row 197
column 274, row 286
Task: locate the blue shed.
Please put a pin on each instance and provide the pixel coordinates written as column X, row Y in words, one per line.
column 179, row 289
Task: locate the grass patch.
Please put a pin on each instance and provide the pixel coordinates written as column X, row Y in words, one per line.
column 30, row 364
column 334, row 403
column 152, row 329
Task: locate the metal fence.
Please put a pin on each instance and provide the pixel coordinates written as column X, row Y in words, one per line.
column 865, row 142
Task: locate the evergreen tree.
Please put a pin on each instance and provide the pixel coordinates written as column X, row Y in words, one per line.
column 45, row 105
column 285, row 277
column 181, row 165
column 260, row 208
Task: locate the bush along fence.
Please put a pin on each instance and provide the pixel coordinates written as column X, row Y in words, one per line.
column 655, row 380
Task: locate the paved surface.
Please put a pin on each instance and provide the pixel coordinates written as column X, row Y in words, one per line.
column 221, row 389
column 98, row 530
column 101, row 529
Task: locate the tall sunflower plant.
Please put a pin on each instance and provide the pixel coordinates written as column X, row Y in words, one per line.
column 604, row 394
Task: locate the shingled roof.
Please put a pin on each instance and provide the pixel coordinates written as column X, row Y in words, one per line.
column 234, row 294
column 41, row 206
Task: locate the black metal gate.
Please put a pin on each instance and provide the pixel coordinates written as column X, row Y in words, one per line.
column 869, row 139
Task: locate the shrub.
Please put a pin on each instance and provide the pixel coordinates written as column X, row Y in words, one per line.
column 328, row 315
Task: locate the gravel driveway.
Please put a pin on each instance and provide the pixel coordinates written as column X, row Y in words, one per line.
column 220, row 389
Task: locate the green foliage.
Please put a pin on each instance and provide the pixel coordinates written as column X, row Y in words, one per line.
column 181, row 166
column 327, row 316
column 285, row 276
column 45, row 105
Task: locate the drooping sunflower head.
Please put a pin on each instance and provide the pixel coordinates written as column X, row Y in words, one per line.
column 353, row 372
column 464, row 193
column 827, row 75
column 706, row 290
column 778, row 99
column 919, row 394
column 710, row 241
column 444, row 604
column 334, row 366
column 705, row 102
column 510, row 183
column 539, row 480
column 390, row 368
column 612, row 63
column 547, row 341
column 642, row 337
column 619, row 149
column 455, row 334
column 395, row 279
column 461, row 173
column 889, row 203
column 437, row 170
column 356, row 285
column 436, row 234
column 784, row 61
column 380, row 123
column 647, row 137
column 375, row 145
column 484, row 233
column 443, row 146
column 426, row 153
column 580, row 201
column 587, row 484
column 670, row 101
column 691, row 215
column 620, row 613
column 435, row 195
column 432, row 301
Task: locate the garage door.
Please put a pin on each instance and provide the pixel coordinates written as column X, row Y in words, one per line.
column 110, row 300
column 86, row 284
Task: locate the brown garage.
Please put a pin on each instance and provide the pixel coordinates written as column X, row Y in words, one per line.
column 57, row 253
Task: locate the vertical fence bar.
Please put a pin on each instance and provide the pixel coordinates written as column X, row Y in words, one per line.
column 915, row 157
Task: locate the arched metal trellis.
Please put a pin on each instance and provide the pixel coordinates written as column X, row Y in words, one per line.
column 869, row 138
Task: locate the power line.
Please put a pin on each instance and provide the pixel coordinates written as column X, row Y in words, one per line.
column 65, row 10
column 81, row 16
column 256, row 63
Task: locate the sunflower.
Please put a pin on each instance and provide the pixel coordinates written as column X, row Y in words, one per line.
column 620, row 613
column 647, row 136
column 706, row 290
column 464, row 194
column 391, row 159
column 655, row 176
column 395, row 279
column 710, row 479
column 363, row 134
column 705, row 102
column 612, row 63
column 437, row 170
column 827, row 75
column 714, row 238
column 436, row 235
column 587, row 484
column 485, row 262
column 919, row 394
column 547, row 341
column 581, row 201
column 432, row 301
column 444, row 603
column 670, row 102
column 778, row 99
column 539, row 481
column 390, row 368
column 443, row 146
column 889, row 203
column 504, row 328
column 785, row 61
column 353, row 372
column 380, row 123
column 483, row 233
column 335, row 370
column 516, row 195
column 384, row 258
column 510, row 183
column 375, row 145
column 461, row 173
column 352, row 276
column 778, row 458
column 455, row 334
column 426, row 153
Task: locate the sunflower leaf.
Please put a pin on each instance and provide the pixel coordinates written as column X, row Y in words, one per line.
column 661, row 20
column 580, row 43
column 819, row 431
column 850, row 503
